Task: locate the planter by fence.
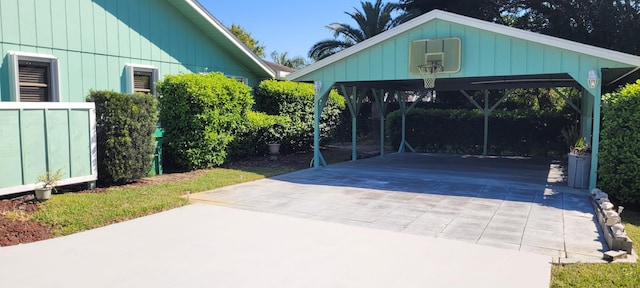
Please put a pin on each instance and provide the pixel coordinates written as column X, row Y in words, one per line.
column 579, row 170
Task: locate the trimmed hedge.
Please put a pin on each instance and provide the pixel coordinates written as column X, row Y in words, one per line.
column 295, row 100
column 519, row 132
column 125, row 124
column 251, row 140
column 619, row 155
column 201, row 114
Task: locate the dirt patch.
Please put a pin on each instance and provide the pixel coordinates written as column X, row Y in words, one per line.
column 16, row 227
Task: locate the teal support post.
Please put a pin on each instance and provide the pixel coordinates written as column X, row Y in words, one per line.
column 354, row 104
column 402, row 100
column 486, row 111
column 486, row 123
column 320, row 98
column 595, row 138
column 586, row 118
column 382, row 105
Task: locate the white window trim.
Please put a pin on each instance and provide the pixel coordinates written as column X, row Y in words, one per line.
column 131, row 68
column 54, row 80
column 243, row 80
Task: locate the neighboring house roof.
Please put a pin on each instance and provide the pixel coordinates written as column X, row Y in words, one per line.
column 607, row 54
column 218, row 32
column 281, row 70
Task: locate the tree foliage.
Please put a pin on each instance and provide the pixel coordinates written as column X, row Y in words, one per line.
column 246, row 38
column 489, row 10
column 284, row 59
column 373, row 19
column 612, row 24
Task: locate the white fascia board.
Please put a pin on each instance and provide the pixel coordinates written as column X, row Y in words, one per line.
column 612, row 55
column 216, row 24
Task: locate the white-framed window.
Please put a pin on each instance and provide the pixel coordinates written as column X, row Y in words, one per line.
column 240, row 79
column 33, row 77
column 141, row 78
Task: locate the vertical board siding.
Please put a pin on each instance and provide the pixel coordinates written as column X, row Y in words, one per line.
column 10, row 154
column 95, row 39
column 36, row 139
column 58, row 140
column 10, row 19
column 43, row 24
column 73, row 25
column 27, row 22
column 80, row 148
column 33, row 144
column 484, row 53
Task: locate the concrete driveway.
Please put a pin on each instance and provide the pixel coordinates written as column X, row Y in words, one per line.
column 443, row 210
column 511, row 203
column 211, row 246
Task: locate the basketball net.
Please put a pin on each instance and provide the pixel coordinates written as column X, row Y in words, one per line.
column 429, row 73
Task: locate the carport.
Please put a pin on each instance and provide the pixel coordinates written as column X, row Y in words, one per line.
column 492, row 57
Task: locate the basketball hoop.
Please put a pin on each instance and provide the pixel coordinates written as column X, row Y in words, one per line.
column 429, row 73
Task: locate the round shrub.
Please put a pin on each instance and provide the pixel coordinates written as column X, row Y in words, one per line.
column 201, row 114
column 619, row 155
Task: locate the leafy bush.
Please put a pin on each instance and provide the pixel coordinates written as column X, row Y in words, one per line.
column 252, row 138
column 201, row 114
column 461, row 131
column 125, row 124
column 295, row 100
column 619, row 154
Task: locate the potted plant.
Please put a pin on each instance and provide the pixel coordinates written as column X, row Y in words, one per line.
column 48, row 181
column 274, row 138
column 579, row 166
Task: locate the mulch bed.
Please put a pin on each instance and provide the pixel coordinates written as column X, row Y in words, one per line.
column 15, row 227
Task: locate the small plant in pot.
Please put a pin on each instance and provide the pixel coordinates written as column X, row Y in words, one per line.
column 274, row 138
column 48, row 181
column 581, row 147
column 579, row 167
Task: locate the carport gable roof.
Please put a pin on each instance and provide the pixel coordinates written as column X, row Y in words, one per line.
column 488, row 50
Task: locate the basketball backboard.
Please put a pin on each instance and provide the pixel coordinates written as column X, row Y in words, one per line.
column 442, row 52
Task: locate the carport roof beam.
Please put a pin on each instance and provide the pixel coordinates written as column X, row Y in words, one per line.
column 471, row 99
column 567, row 100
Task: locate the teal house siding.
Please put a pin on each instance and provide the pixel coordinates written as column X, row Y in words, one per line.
column 94, row 40
column 96, row 45
column 483, row 54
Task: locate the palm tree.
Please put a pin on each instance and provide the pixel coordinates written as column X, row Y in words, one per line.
column 372, row 20
column 283, row 59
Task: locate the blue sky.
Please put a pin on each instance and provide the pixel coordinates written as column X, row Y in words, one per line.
column 284, row 25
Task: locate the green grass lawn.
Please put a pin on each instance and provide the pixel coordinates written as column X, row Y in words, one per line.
column 602, row 275
column 73, row 212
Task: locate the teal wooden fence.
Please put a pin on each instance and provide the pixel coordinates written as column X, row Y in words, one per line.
column 36, row 137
